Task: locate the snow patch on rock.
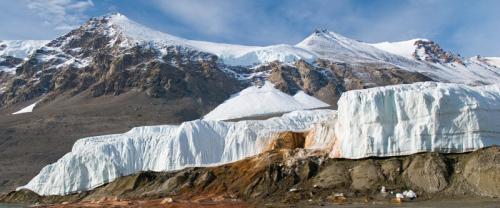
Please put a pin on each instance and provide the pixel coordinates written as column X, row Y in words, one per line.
column 27, row 109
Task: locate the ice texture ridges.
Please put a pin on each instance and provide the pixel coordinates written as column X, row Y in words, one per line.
column 421, row 117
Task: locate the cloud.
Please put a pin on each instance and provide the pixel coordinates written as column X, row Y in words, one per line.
column 61, row 14
column 207, row 16
column 259, row 22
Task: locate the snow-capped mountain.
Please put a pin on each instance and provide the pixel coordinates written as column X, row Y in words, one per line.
column 445, row 66
column 421, row 50
column 488, row 61
column 106, row 55
column 111, row 55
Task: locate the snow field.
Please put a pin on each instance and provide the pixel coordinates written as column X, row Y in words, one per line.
column 256, row 101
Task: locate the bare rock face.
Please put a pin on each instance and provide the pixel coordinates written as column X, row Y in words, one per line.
column 434, row 53
column 333, row 174
column 391, row 169
column 482, row 170
column 427, row 172
column 21, row 196
column 365, row 174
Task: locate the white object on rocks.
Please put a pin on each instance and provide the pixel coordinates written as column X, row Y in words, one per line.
column 409, row 194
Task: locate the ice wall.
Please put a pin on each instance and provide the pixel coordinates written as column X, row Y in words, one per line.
column 406, row 119
column 97, row 160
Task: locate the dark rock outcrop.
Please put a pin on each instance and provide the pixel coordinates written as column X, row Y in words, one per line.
column 434, row 53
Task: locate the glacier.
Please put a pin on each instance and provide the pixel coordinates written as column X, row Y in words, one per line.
column 421, row 117
column 98, row 160
column 264, row 100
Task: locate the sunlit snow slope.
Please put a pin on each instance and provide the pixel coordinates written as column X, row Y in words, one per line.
column 17, row 49
column 445, row 66
column 97, row 160
column 20, row 48
column 256, row 101
column 406, row 119
column 228, row 53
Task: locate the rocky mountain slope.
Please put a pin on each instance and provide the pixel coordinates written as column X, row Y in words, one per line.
column 112, row 74
column 12, row 52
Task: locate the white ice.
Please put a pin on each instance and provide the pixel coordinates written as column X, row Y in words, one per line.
column 421, row 117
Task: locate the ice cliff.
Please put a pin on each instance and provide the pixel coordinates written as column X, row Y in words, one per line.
column 421, row 117
column 97, row 160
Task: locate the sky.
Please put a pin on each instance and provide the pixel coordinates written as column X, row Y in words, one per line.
column 465, row 27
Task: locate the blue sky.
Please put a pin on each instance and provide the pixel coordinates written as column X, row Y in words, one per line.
column 465, row 27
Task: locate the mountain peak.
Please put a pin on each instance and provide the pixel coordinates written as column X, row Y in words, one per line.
column 118, row 23
column 112, row 15
column 321, row 31
column 330, row 35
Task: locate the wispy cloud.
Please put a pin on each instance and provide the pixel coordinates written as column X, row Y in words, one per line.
column 61, row 14
column 209, row 16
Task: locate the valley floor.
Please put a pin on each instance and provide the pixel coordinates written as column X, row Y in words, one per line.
column 441, row 203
